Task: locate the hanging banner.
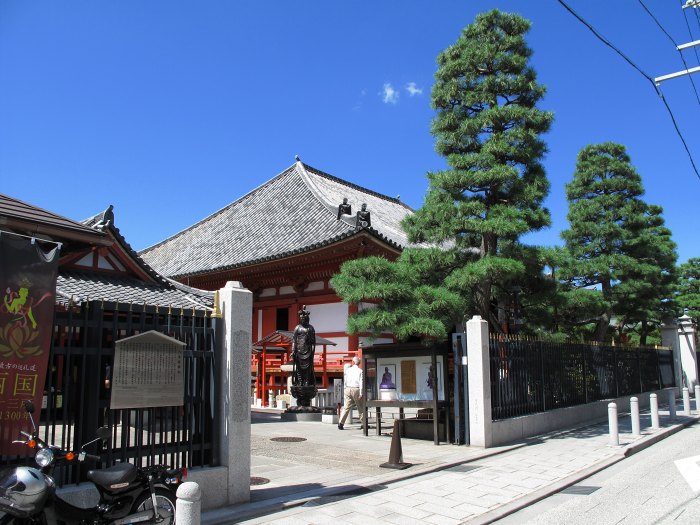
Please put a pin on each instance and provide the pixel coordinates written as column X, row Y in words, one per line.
column 28, row 289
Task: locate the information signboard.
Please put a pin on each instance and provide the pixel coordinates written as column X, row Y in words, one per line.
column 148, row 372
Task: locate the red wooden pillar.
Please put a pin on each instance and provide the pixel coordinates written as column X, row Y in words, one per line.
column 324, row 361
column 257, row 376
column 263, row 394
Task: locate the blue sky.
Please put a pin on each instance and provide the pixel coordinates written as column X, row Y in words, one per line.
column 171, row 110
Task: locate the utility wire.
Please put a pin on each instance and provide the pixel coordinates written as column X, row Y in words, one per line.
column 690, row 32
column 675, row 44
column 641, row 71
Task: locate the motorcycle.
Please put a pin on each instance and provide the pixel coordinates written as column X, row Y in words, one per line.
column 128, row 494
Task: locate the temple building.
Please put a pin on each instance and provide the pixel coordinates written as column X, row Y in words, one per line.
column 284, row 241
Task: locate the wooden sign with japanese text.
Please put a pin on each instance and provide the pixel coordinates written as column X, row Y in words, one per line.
column 148, row 372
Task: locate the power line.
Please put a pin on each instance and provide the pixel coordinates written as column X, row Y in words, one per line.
column 690, row 32
column 641, row 71
column 675, row 44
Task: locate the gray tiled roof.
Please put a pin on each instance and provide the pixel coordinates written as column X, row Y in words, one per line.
column 84, row 286
column 11, row 208
column 296, row 211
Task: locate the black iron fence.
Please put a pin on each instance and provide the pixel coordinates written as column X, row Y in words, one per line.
column 535, row 376
column 77, row 391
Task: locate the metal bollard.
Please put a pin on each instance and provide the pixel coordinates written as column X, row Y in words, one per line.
column 188, row 507
column 612, row 425
column 672, row 404
column 634, row 414
column 686, row 401
column 697, row 398
column 654, row 407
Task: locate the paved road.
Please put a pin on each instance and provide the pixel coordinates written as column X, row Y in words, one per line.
column 646, row 488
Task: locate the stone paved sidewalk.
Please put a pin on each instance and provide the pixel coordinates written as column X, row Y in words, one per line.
column 447, row 484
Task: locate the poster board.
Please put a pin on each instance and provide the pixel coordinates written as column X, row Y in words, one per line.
column 148, row 372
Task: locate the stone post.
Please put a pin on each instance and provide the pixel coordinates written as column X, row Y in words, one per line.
column 234, row 395
column 686, row 338
column 669, row 338
column 188, row 507
column 634, row 416
column 480, row 423
column 612, row 425
column 654, row 408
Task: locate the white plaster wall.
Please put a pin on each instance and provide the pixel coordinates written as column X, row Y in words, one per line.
column 315, row 286
column 341, row 345
column 331, row 317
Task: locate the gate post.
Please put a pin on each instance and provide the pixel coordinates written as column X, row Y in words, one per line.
column 686, row 337
column 233, row 361
column 480, row 422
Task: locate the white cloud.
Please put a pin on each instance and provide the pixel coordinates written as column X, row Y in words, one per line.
column 413, row 89
column 389, row 94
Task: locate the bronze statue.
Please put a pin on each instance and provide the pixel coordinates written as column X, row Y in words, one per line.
column 303, row 348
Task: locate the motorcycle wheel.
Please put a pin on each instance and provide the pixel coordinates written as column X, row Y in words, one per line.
column 165, row 501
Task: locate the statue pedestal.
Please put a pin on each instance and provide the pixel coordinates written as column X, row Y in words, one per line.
column 304, row 394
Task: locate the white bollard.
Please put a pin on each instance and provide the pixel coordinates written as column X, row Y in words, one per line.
column 697, row 398
column 672, row 404
column 634, row 414
column 188, row 507
column 686, row 401
column 281, row 404
column 612, row 425
column 654, row 407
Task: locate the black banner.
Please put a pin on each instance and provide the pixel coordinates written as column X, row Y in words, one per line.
column 28, row 287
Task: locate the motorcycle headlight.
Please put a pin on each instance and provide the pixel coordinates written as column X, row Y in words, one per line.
column 44, row 457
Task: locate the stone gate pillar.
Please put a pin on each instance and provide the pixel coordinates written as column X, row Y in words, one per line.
column 233, row 364
column 686, row 339
column 480, row 420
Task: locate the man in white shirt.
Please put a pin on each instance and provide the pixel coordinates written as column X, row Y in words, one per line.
column 352, row 392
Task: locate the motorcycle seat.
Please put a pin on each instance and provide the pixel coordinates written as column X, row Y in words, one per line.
column 114, row 475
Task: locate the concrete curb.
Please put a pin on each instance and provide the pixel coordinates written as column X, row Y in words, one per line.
column 545, row 492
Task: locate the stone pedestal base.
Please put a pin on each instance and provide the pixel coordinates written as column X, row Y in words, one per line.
column 304, row 394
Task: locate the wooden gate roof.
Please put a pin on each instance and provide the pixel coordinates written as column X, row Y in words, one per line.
column 293, row 213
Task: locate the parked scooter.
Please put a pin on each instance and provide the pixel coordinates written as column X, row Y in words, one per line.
column 128, row 494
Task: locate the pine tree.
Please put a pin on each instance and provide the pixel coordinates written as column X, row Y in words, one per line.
column 488, row 129
column 688, row 296
column 616, row 243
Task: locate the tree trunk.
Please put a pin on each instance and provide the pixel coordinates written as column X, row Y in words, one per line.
column 604, row 321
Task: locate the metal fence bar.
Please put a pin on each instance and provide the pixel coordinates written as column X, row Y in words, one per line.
column 535, row 376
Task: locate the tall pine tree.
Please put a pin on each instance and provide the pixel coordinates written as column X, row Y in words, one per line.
column 688, row 296
column 488, row 129
column 616, row 243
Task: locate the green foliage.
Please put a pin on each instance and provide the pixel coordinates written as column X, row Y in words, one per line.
column 488, row 129
column 618, row 250
column 688, row 296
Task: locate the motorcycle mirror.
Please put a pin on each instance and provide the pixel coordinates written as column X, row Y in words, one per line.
column 28, row 406
column 104, row 433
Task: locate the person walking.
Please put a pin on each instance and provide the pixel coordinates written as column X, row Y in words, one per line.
column 352, row 392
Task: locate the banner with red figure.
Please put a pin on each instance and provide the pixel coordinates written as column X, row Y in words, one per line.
column 28, row 289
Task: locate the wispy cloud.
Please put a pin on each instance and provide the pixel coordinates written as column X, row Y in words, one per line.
column 389, row 94
column 358, row 104
column 413, row 89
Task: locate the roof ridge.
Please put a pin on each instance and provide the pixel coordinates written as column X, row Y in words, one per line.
column 330, row 207
column 354, row 186
column 219, row 211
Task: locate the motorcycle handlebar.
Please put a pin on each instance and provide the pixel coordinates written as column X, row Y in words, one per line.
column 92, row 456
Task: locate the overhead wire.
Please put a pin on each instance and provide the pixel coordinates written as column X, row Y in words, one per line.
column 690, row 32
column 675, row 44
column 641, row 72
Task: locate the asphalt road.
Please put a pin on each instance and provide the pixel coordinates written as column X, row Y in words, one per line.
column 658, row 485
